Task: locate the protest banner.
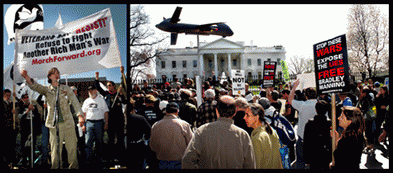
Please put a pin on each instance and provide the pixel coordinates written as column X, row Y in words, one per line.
column 269, row 73
column 331, row 65
column 79, row 46
column 285, row 71
column 238, row 82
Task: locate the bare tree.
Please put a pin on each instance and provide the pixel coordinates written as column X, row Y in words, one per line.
column 368, row 39
column 145, row 44
column 300, row 64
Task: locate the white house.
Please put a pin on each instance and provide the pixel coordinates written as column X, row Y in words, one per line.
column 221, row 55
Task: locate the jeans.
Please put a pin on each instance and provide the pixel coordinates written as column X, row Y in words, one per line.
column 169, row 164
column 299, row 163
column 94, row 133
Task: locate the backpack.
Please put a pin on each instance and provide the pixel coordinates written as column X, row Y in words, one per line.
column 283, row 128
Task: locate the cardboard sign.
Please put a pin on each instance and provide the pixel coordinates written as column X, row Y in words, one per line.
column 331, row 65
column 269, row 73
column 307, row 80
column 238, row 82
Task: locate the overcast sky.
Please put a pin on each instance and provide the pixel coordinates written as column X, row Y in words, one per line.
column 296, row 27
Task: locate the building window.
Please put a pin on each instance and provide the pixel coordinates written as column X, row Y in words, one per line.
column 173, row 64
column 162, row 64
column 259, row 75
column 184, row 64
column 210, row 64
column 249, row 76
column 259, row 61
column 278, row 61
column 234, row 62
column 249, row 62
column 195, row 63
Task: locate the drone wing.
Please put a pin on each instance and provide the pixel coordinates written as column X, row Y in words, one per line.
column 173, row 38
column 176, row 14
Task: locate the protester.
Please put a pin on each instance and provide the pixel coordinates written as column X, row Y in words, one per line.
column 114, row 99
column 273, row 98
column 187, row 111
column 220, row 144
column 207, row 110
column 45, row 161
column 284, row 131
column 241, row 107
column 175, row 83
column 385, row 128
column 317, row 144
column 289, row 112
column 29, row 118
column 366, row 105
column 65, row 125
column 264, row 139
column 350, row 144
column 95, row 111
column 81, row 136
column 170, row 137
column 138, row 133
column 306, row 111
column 381, row 102
column 9, row 138
column 152, row 115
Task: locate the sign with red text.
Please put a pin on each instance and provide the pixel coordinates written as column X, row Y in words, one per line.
column 82, row 45
column 269, row 73
column 331, row 65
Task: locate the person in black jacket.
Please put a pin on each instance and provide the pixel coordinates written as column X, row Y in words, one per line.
column 114, row 99
column 317, row 145
column 366, row 102
column 138, row 133
column 25, row 125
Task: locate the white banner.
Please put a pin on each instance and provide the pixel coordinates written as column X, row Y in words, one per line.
column 83, row 45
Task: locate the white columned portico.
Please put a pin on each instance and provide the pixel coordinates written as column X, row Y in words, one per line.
column 201, row 68
column 229, row 64
column 215, row 65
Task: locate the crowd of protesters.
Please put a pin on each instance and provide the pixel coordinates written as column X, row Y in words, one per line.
column 167, row 129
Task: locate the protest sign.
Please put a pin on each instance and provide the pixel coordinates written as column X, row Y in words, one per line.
column 83, row 45
column 285, row 71
column 331, row 65
column 307, row 80
column 269, row 73
column 238, row 82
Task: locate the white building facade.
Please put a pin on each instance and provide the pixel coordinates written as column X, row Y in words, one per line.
column 221, row 55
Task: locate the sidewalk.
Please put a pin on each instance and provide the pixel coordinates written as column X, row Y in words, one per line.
column 379, row 160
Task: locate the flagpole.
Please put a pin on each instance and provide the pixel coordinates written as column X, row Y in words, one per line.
column 13, row 104
column 14, row 72
column 31, row 130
